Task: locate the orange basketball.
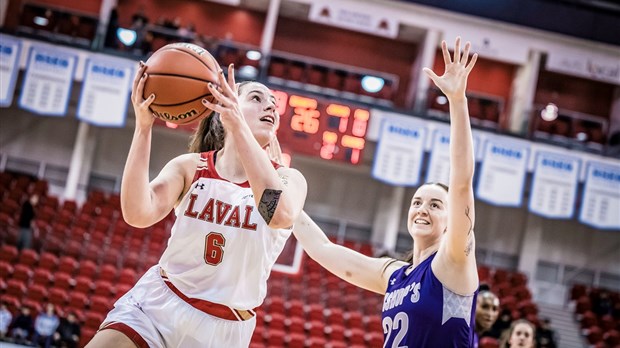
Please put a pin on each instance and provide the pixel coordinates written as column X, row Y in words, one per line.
column 178, row 75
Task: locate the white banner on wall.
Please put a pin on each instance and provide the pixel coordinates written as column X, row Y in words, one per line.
column 554, row 185
column 355, row 18
column 400, row 151
column 105, row 91
column 9, row 68
column 48, row 79
column 439, row 163
column 502, row 175
column 583, row 63
column 600, row 206
column 495, row 44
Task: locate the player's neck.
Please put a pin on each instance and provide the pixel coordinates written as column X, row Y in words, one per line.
column 228, row 164
column 422, row 252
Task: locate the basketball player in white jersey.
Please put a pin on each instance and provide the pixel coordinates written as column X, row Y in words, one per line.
column 235, row 209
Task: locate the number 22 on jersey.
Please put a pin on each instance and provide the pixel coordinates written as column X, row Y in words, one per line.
column 399, row 325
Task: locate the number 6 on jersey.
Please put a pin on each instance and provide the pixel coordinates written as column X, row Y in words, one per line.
column 214, row 248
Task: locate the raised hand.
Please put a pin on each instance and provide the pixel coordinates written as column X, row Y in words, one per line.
column 453, row 82
column 227, row 96
column 144, row 116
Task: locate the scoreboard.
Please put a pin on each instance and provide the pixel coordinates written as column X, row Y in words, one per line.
column 311, row 126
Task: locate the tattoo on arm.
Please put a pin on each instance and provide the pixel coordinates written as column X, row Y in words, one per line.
column 268, row 203
column 471, row 227
column 470, row 245
column 470, row 237
column 284, row 179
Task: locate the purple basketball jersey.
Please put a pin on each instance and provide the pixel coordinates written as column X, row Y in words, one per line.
column 418, row 311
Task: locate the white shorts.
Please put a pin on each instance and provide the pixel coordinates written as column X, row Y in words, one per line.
column 152, row 315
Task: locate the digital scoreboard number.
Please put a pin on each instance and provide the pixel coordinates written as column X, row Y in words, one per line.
column 310, row 126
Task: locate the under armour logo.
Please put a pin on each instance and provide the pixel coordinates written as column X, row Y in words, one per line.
column 201, row 186
column 392, row 281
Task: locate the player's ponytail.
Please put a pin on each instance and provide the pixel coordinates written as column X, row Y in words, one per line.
column 209, row 135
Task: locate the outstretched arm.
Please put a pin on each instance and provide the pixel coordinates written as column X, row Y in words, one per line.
column 458, row 247
column 369, row 273
column 279, row 195
column 144, row 203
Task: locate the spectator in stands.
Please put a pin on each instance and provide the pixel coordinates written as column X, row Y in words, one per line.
column 545, row 336
column 22, row 326
column 430, row 297
column 501, row 324
column 487, row 310
column 5, row 320
column 45, row 326
column 68, row 332
column 520, row 335
column 25, row 222
column 601, row 304
column 140, row 17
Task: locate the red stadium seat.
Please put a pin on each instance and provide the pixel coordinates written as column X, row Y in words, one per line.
column 127, row 276
column 83, row 284
column 315, row 328
column 35, row 306
column 488, row 342
column 69, row 205
column 104, row 288
column 58, row 296
column 336, row 332
column 78, row 300
column 295, row 339
column 28, row 257
column 131, row 260
column 107, row 272
column 67, row 264
column 275, row 338
column 88, row 269
column 48, row 261
column 86, row 334
column 6, row 270
column 63, row 281
column 42, row 276
column 100, row 304
column 8, row 253
column 12, row 302
column 22, row 272
column 15, row 287
column 275, row 320
column 37, row 292
column 73, row 248
column 92, row 320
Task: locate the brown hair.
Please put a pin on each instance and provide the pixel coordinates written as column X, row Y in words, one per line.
column 409, row 255
column 209, row 135
column 505, row 339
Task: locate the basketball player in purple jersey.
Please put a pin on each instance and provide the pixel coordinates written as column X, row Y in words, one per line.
column 429, row 297
column 235, row 209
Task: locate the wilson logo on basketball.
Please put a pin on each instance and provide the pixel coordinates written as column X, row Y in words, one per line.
column 168, row 117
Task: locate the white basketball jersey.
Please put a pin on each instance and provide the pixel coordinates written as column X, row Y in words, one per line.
column 221, row 249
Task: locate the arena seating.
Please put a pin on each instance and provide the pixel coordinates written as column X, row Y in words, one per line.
column 86, row 257
column 598, row 313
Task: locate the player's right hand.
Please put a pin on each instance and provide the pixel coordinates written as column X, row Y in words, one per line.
column 144, row 116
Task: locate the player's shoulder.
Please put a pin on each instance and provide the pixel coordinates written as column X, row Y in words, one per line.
column 186, row 163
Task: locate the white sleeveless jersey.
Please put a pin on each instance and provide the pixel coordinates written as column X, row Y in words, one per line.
column 221, row 249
